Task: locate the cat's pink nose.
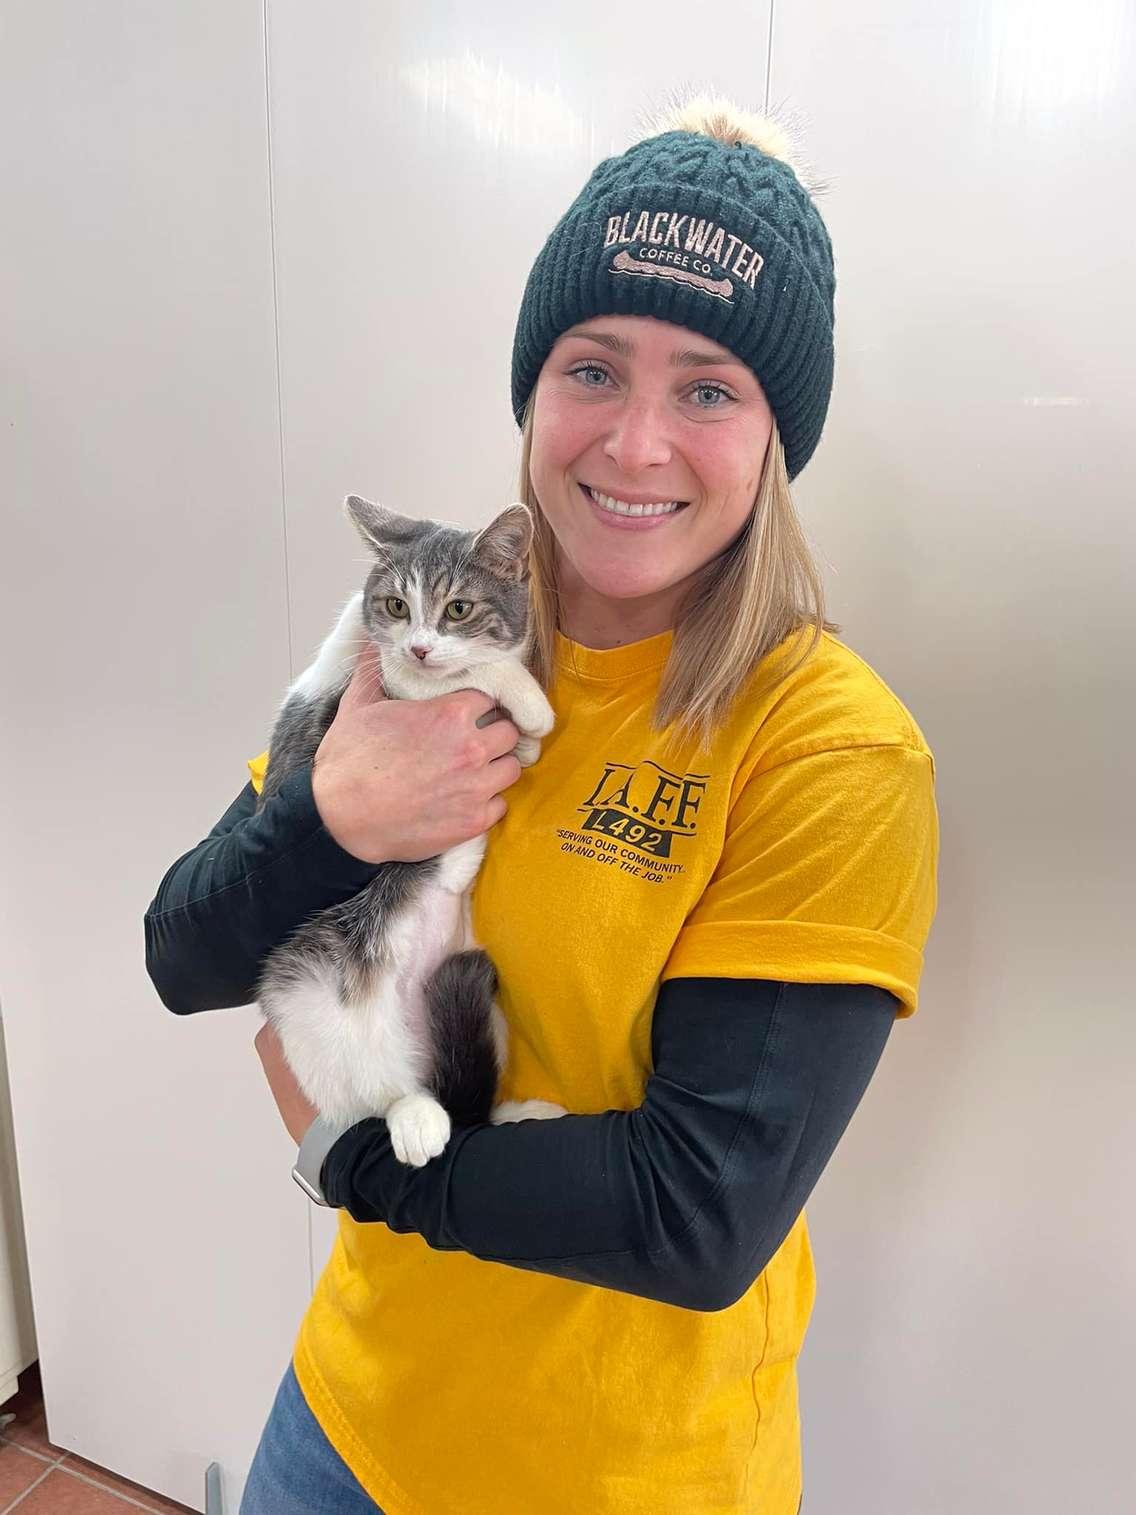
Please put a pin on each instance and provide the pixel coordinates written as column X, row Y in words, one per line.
column 419, row 652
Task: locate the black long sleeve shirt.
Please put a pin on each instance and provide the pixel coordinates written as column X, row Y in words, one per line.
column 224, row 905
column 682, row 1200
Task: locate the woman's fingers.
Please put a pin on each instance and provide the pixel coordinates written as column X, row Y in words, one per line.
column 501, row 736
column 503, row 771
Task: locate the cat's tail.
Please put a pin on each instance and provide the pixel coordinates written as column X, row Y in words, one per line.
column 459, row 1003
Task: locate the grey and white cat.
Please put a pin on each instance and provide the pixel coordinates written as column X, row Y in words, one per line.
column 383, row 1004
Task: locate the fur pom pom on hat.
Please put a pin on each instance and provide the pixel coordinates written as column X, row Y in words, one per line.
column 707, row 222
column 715, row 116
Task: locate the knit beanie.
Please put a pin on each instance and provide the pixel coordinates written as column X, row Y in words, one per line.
column 709, row 225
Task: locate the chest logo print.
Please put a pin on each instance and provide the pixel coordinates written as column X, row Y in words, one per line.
column 645, row 807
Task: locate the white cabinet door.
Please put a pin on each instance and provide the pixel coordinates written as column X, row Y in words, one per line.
column 143, row 616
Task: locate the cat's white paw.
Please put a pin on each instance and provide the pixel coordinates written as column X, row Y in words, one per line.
column 419, row 1129
column 535, row 715
column 524, row 701
column 527, row 751
column 525, row 1109
column 547, row 720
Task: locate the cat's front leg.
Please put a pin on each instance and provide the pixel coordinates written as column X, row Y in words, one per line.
column 511, row 686
column 520, row 694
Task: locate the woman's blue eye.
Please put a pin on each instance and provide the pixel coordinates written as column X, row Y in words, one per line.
column 592, row 369
column 714, row 390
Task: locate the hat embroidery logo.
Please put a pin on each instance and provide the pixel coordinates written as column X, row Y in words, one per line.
column 721, row 289
column 687, row 250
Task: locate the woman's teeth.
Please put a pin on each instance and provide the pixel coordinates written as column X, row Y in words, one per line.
column 622, row 508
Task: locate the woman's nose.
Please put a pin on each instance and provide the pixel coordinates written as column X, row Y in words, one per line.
column 638, row 437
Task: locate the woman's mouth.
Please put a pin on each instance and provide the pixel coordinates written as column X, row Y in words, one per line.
column 617, row 512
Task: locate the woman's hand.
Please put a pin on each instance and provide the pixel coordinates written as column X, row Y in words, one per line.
column 296, row 1110
column 401, row 780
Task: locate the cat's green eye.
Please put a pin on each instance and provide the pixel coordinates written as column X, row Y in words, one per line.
column 398, row 608
column 458, row 610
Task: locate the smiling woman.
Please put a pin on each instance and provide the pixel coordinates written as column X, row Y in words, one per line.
column 706, row 904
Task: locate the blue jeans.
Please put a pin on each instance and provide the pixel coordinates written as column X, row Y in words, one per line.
column 296, row 1470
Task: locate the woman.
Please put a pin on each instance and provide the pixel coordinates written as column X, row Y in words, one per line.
column 707, row 903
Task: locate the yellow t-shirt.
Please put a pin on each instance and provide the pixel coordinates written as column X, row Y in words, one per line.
column 801, row 846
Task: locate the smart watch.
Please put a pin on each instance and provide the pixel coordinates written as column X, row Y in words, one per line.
column 318, row 1141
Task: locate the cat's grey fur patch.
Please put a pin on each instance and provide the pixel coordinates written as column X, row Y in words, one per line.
column 300, row 727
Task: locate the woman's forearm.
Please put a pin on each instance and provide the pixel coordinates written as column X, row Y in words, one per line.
column 683, row 1200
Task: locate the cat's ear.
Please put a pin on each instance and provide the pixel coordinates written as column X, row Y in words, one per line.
column 377, row 525
column 502, row 547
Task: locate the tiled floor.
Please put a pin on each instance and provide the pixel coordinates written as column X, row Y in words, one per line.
column 39, row 1479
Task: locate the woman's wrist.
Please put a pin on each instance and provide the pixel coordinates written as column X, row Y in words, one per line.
column 337, row 824
column 326, row 854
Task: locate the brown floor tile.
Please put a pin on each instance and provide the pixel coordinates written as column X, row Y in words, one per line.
column 145, row 1497
column 61, row 1494
column 27, row 1436
column 18, row 1471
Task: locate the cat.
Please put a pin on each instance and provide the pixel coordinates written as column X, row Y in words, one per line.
column 383, row 1004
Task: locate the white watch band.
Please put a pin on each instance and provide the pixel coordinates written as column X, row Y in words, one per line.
column 318, row 1141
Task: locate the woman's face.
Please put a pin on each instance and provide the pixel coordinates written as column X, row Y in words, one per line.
column 634, row 412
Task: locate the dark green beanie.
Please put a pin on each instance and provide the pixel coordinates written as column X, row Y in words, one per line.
column 715, row 235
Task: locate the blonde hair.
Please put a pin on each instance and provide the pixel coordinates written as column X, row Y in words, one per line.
column 743, row 605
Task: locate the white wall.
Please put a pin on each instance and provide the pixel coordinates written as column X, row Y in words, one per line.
column 260, row 267
column 974, row 1326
